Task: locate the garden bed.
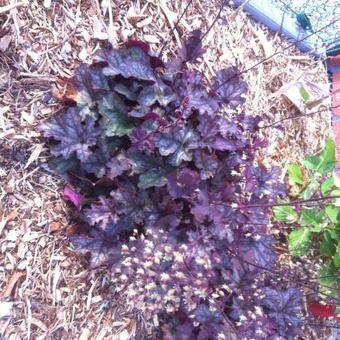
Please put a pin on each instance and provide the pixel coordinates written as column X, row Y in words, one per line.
column 46, row 290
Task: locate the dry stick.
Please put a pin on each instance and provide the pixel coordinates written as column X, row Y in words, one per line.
column 214, row 21
column 296, row 117
column 274, row 272
column 322, row 325
column 7, row 8
column 288, row 203
column 278, row 52
column 175, row 26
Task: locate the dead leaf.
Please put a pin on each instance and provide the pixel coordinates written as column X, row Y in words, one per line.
column 85, row 334
column 7, row 219
column 7, row 8
column 145, row 22
column 39, row 324
column 12, row 282
column 4, row 42
column 54, row 226
column 152, row 39
column 5, row 309
column 34, row 155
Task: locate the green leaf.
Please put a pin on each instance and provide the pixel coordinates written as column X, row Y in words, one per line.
column 327, row 157
column 327, row 247
column 329, row 277
column 295, row 173
column 336, row 201
column 311, row 162
column 304, row 94
column 332, row 212
column 327, row 185
column 311, row 217
column 115, row 120
column 325, row 161
column 299, row 241
column 285, row 214
column 337, row 310
column 336, row 257
column 311, row 189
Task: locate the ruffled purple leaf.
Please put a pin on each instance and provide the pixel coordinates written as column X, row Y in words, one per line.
column 130, row 62
column 190, row 51
column 178, row 145
column 283, row 307
column 90, row 85
column 117, row 166
column 193, row 96
column 206, row 163
column 229, row 87
column 183, row 183
column 259, row 250
column 99, row 162
column 73, row 135
column 152, row 172
column 99, row 250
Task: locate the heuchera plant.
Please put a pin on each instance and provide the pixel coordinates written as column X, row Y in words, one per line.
column 169, row 195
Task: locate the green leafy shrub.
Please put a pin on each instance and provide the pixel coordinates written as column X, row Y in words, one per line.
column 315, row 217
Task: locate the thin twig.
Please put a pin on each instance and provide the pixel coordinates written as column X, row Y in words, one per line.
column 175, row 26
column 276, row 53
column 299, row 116
column 215, row 20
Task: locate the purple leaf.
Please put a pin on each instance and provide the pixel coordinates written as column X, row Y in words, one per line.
column 190, row 51
column 73, row 197
column 229, row 86
column 152, row 171
column 220, row 134
column 116, row 166
column 98, row 163
column 100, row 251
column 178, row 145
column 72, row 134
column 130, row 62
column 143, row 140
column 183, row 183
column 260, row 250
column 101, row 213
column 192, row 95
column 115, row 120
column 284, row 307
column 90, row 84
column 207, row 163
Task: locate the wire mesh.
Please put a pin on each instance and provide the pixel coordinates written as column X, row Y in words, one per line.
column 319, row 12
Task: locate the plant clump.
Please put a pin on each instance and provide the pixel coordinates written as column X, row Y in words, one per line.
column 169, row 196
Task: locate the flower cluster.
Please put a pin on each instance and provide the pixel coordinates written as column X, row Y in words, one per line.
column 172, row 198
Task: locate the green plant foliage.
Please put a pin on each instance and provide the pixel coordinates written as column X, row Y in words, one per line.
column 299, row 241
column 324, row 162
column 295, row 174
column 313, row 181
column 285, row 214
column 304, row 94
